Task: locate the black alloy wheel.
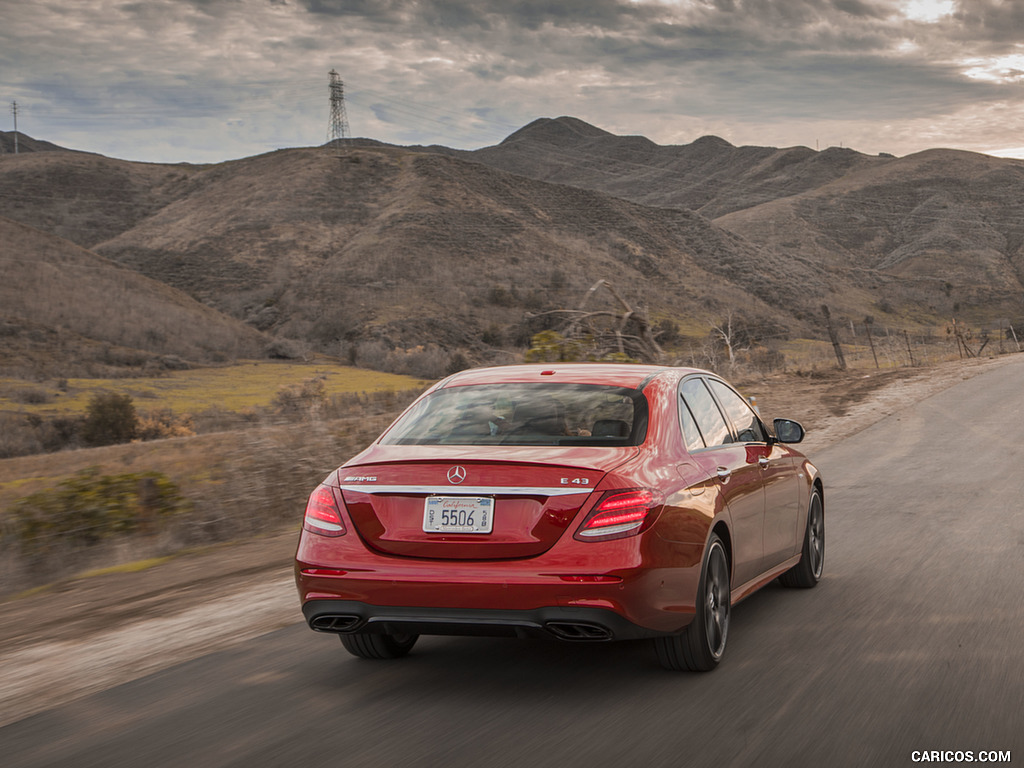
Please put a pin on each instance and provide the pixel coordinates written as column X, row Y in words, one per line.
column 701, row 646
column 807, row 572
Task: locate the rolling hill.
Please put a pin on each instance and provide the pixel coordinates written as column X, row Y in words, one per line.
column 946, row 224
column 709, row 176
column 413, row 246
column 9, row 142
column 64, row 309
column 933, row 234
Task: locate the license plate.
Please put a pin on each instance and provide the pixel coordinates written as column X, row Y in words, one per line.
column 458, row 514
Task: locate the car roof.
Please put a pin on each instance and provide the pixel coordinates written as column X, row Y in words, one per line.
column 611, row 374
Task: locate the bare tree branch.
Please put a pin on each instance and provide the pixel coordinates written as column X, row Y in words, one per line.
column 603, row 332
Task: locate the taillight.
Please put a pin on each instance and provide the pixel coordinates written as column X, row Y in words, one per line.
column 322, row 515
column 619, row 514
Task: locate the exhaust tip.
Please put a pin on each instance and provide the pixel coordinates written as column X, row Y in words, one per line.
column 335, row 623
column 576, row 631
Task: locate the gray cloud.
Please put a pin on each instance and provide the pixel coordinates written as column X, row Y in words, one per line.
column 991, row 21
column 485, row 14
column 233, row 77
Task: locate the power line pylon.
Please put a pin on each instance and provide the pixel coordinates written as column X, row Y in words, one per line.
column 339, row 120
column 14, row 111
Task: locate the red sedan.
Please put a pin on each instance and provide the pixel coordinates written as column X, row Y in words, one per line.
column 584, row 502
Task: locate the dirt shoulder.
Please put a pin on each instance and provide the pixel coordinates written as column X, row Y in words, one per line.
column 91, row 633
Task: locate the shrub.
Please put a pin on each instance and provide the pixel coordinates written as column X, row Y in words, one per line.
column 310, row 396
column 492, row 335
column 89, row 507
column 502, row 297
column 552, row 347
column 424, row 361
column 666, row 332
column 110, row 419
column 162, row 423
column 18, row 436
column 32, row 396
column 23, row 435
column 287, row 349
column 458, row 362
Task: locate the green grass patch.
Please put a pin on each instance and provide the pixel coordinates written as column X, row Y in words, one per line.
column 15, row 485
column 230, row 388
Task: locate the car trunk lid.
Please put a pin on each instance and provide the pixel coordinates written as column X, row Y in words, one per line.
column 533, row 496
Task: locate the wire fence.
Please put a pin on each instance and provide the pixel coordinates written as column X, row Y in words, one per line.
column 864, row 347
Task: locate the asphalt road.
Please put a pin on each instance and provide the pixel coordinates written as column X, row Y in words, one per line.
column 912, row 642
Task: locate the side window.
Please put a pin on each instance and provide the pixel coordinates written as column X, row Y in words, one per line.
column 705, row 412
column 691, row 434
column 748, row 426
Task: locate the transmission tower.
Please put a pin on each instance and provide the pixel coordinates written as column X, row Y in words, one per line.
column 338, row 129
column 14, row 111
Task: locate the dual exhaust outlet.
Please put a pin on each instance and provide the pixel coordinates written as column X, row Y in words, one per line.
column 563, row 630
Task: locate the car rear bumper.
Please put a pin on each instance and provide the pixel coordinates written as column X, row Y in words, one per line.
column 622, row 588
column 574, row 624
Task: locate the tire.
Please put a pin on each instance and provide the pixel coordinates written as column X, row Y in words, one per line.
column 807, row 572
column 701, row 645
column 379, row 646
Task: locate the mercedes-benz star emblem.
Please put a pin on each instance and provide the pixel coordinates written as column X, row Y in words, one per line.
column 456, row 474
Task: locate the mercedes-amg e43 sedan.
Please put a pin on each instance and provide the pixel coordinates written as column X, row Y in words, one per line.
column 582, row 502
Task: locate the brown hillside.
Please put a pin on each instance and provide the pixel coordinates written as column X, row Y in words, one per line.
column 64, row 306
column 945, row 224
column 914, row 239
column 419, row 248
column 86, row 198
column 418, row 245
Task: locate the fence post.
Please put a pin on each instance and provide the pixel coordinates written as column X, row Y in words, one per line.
column 868, row 322
column 835, row 339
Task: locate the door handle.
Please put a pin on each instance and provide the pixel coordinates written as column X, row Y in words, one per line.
column 724, row 473
column 763, row 462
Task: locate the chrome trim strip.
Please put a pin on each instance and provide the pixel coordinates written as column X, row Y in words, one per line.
column 466, row 490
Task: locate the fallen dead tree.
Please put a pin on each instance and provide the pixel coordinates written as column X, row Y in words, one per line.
column 619, row 333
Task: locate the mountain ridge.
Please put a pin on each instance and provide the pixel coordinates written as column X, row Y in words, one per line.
column 472, row 249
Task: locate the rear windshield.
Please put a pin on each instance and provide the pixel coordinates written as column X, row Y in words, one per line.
column 524, row 414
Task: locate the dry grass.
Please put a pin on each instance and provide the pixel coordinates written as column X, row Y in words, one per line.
column 239, row 484
column 246, row 385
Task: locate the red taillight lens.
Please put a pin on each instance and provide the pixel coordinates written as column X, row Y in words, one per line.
column 619, row 514
column 322, row 515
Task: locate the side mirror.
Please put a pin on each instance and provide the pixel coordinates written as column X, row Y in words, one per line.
column 788, row 431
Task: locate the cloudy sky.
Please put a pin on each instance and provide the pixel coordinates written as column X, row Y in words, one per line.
column 209, row 80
